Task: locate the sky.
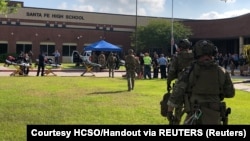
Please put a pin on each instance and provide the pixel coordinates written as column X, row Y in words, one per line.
column 183, row 9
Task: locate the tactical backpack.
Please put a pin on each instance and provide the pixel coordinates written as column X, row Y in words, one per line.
column 164, row 105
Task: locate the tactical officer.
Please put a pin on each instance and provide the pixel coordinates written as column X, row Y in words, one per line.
column 183, row 59
column 102, row 60
column 203, row 86
column 130, row 65
column 41, row 64
column 111, row 64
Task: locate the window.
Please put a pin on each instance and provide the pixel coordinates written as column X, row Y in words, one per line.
column 23, row 48
column 47, row 24
column 17, row 22
column 48, row 49
column 3, row 48
column 63, row 25
column 68, row 49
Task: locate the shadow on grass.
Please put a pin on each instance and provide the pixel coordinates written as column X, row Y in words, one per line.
column 108, row 92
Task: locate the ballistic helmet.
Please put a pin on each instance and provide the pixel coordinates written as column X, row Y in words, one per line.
column 184, row 44
column 204, row 47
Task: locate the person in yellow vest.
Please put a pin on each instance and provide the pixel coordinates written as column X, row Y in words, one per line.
column 147, row 66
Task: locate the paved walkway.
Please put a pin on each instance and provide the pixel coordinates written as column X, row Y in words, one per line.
column 5, row 71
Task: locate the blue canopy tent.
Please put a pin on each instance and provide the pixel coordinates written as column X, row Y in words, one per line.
column 103, row 46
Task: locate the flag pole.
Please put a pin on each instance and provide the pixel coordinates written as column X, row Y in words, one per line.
column 172, row 29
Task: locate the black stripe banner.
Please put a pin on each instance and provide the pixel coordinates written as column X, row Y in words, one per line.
column 78, row 132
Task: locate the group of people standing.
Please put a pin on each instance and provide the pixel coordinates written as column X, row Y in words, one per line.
column 146, row 63
column 140, row 66
column 234, row 62
column 110, row 61
column 160, row 64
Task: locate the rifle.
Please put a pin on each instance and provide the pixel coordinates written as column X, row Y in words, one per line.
column 245, row 81
column 224, row 113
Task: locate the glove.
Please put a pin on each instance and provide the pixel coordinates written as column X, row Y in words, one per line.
column 170, row 116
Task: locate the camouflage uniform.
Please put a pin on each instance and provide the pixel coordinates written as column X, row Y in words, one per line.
column 179, row 62
column 130, row 65
column 203, row 86
column 111, row 63
column 94, row 59
column 183, row 59
column 102, row 60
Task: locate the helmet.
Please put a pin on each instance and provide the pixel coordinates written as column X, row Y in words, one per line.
column 204, row 47
column 130, row 51
column 184, row 44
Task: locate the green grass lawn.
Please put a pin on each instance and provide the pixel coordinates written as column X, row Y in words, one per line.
column 88, row 100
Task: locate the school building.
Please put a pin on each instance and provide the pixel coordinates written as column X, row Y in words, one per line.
column 49, row 30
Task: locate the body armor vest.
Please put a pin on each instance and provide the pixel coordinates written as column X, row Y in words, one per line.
column 206, row 80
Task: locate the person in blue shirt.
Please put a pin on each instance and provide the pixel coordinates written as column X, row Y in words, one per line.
column 163, row 62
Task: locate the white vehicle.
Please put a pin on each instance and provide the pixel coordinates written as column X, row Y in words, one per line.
column 78, row 58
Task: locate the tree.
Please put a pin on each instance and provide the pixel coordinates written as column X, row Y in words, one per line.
column 6, row 7
column 157, row 34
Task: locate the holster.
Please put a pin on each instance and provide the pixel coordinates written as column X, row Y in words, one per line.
column 224, row 112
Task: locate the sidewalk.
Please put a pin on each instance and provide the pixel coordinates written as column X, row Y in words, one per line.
column 5, row 71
